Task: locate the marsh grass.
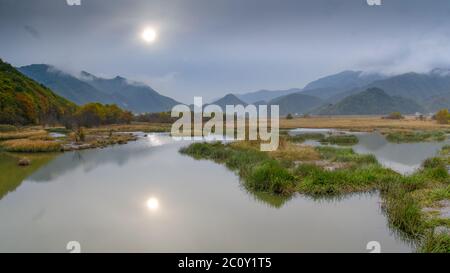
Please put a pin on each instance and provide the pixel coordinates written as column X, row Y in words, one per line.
column 436, row 243
column 415, row 136
column 22, row 134
column 4, row 128
column 30, row 146
column 306, row 136
column 345, row 155
column 340, row 140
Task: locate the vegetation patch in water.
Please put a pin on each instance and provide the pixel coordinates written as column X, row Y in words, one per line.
column 415, row 136
column 306, row 136
column 340, row 140
column 412, row 203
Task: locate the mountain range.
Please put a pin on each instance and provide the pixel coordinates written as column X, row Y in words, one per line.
column 133, row 96
column 373, row 101
column 417, row 92
column 342, row 93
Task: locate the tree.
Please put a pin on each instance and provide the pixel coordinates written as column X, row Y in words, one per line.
column 289, row 116
column 442, row 116
column 395, row 115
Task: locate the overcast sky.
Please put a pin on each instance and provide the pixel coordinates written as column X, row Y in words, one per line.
column 213, row 47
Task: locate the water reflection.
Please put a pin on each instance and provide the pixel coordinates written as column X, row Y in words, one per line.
column 404, row 158
column 11, row 175
column 90, row 160
column 102, row 198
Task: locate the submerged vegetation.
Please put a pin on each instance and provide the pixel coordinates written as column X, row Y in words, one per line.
column 412, row 203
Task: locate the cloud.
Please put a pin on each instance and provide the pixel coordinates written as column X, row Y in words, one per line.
column 420, row 54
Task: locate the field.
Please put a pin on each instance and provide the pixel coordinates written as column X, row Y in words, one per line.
column 362, row 123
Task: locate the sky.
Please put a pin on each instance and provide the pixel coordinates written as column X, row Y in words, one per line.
column 213, row 47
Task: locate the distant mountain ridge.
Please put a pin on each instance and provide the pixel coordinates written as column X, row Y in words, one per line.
column 296, row 103
column 373, row 101
column 265, row 95
column 344, row 80
column 135, row 97
column 229, row 99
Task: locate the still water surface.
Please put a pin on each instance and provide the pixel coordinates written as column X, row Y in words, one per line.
column 146, row 197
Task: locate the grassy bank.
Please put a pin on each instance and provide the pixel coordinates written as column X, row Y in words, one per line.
column 30, row 146
column 38, row 140
column 412, row 203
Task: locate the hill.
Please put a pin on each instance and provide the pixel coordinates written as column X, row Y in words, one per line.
column 130, row 95
column 265, row 95
column 297, row 103
column 24, row 101
column 331, row 85
column 229, row 99
column 88, row 88
column 373, row 101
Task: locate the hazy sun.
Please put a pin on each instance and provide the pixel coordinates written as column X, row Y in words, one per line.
column 152, row 203
column 149, row 35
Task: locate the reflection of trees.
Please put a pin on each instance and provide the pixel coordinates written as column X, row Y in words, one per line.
column 89, row 160
column 11, row 175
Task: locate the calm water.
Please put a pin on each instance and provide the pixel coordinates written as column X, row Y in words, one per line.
column 404, row 158
column 146, row 197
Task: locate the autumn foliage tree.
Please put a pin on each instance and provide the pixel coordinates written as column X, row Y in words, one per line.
column 442, row 116
column 96, row 114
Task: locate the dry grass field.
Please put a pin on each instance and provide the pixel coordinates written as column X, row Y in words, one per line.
column 362, row 123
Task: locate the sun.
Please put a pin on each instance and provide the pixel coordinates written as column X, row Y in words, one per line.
column 149, row 35
column 152, row 203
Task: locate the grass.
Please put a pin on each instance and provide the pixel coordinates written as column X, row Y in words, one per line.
column 362, row 123
column 300, row 138
column 22, row 134
column 415, row 136
column 436, row 243
column 30, row 146
column 333, row 139
column 345, row 155
column 405, row 198
column 7, row 128
column 133, row 127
